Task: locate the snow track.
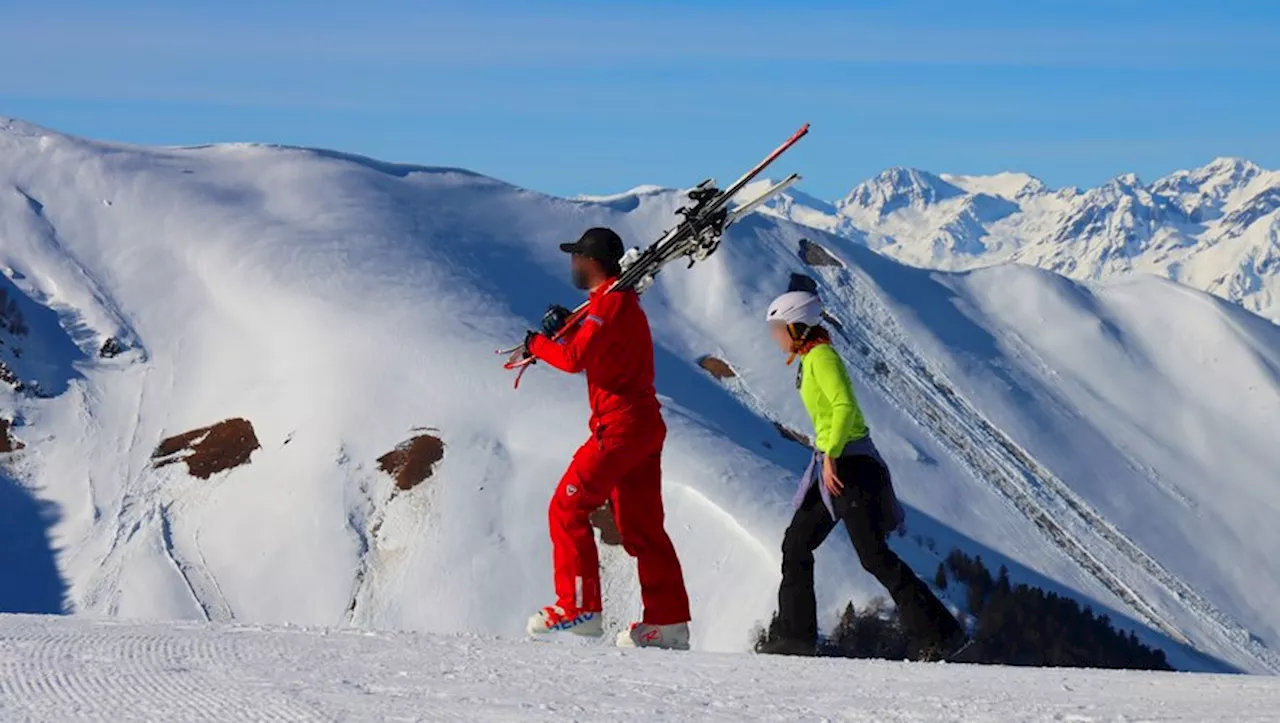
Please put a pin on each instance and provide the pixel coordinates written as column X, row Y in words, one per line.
column 60, row 668
column 379, row 559
column 86, row 310
column 185, row 552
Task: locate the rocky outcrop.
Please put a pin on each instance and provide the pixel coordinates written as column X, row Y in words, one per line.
column 602, row 519
column 111, row 348
column 209, row 450
column 413, row 461
column 815, row 255
column 716, row 367
column 8, row 377
column 792, row 435
column 7, row 442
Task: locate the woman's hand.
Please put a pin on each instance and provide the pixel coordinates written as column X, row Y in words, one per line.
column 829, row 477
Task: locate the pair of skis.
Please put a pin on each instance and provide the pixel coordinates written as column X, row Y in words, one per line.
column 695, row 237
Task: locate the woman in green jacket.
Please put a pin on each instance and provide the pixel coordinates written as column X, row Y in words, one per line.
column 846, row 481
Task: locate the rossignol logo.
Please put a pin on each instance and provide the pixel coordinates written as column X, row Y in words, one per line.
column 574, row 622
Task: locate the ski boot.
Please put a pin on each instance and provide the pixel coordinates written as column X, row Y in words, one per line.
column 647, row 635
column 787, row 646
column 555, row 619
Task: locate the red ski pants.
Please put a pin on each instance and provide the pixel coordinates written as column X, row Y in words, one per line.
column 621, row 462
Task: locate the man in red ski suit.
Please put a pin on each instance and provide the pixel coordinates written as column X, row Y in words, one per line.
column 620, row 463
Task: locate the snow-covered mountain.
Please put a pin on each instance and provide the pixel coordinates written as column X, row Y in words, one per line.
column 1216, row 228
column 265, row 391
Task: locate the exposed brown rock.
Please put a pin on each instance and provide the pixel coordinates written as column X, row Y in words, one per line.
column 413, row 461
column 7, row 443
column 209, row 450
column 815, row 255
column 717, row 368
column 792, row 435
column 602, row 519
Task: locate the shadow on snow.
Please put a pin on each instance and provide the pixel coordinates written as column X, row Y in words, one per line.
column 29, row 578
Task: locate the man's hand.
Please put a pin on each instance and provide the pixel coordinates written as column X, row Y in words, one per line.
column 522, row 352
column 829, row 478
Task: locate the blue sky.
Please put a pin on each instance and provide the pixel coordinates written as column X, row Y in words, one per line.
column 578, row 97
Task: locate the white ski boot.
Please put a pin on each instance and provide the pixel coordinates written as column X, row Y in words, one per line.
column 647, row 635
column 554, row 619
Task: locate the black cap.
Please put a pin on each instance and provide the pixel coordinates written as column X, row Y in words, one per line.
column 599, row 243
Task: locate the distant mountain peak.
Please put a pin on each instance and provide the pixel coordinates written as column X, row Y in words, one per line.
column 1176, row 227
column 1230, row 163
column 899, row 187
column 1009, row 185
column 1127, row 180
column 1214, row 180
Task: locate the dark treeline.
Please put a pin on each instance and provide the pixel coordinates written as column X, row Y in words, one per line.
column 1015, row 625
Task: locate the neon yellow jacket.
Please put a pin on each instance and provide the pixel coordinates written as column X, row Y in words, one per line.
column 827, row 393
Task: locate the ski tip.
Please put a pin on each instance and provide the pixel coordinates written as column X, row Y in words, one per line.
column 804, row 130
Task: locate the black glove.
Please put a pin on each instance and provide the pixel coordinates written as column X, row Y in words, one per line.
column 553, row 321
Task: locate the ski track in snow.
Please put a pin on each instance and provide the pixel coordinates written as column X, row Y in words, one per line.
column 378, row 566
column 184, row 550
column 60, row 668
column 74, row 318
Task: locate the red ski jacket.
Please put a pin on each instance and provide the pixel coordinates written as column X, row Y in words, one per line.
column 613, row 345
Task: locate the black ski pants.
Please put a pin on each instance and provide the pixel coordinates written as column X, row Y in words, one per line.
column 862, row 507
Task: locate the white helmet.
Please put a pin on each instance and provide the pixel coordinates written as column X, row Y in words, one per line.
column 796, row 307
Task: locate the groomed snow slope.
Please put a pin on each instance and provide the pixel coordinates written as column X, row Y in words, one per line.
column 54, row 669
column 338, row 303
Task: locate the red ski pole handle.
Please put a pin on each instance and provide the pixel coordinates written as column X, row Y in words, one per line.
column 520, row 375
column 520, row 366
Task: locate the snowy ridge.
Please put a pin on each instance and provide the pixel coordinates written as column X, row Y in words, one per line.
column 340, row 303
column 1215, row 228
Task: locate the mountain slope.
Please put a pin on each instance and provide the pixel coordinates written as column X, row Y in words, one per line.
column 341, row 305
column 66, row 669
column 1215, row 228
